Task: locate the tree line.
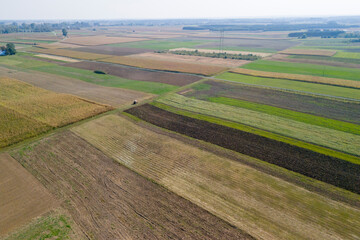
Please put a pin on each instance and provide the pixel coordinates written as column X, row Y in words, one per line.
column 9, row 49
column 39, row 27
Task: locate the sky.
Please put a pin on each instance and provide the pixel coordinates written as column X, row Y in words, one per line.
column 173, row 9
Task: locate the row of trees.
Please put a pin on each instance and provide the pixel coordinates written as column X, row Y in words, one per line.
column 249, row 57
column 41, row 27
column 317, row 33
column 9, row 49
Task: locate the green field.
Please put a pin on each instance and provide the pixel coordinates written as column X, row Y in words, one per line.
column 86, row 75
column 337, row 140
column 297, row 116
column 293, row 85
column 352, row 55
column 162, row 44
column 330, row 59
column 50, row 227
column 304, row 68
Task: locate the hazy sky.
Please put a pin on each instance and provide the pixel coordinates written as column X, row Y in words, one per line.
column 154, row 9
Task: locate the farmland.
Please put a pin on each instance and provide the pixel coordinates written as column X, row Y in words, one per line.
column 307, row 87
column 347, row 111
column 247, row 198
column 306, row 69
column 108, row 201
column 298, row 77
column 29, row 110
column 22, row 196
column 107, row 133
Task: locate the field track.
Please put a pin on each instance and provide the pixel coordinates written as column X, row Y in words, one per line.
column 109, row 201
column 327, row 169
column 22, row 197
column 175, row 79
column 264, row 206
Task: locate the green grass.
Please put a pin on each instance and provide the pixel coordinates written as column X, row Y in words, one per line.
column 19, row 61
column 260, row 132
column 324, row 58
column 329, row 138
column 293, row 85
column 50, row 227
column 289, row 114
column 306, row 69
column 161, row 44
column 352, row 55
column 107, row 80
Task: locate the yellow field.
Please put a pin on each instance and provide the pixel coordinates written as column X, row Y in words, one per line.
column 264, row 206
column 69, row 53
column 313, row 52
column 298, row 77
column 206, row 70
column 26, row 111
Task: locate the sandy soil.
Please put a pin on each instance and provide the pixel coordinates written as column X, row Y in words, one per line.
column 193, row 59
column 65, row 59
column 115, row 97
column 230, row 52
column 22, row 197
column 109, row 201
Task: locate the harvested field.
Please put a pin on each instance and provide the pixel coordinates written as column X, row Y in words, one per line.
column 109, row 201
column 322, row 136
column 325, row 107
column 319, row 60
column 117, row 51
column 321, row 167
column 311, row 52
column 70, row 53
column 64, row 59
column 192, row 59
column 22, row 197
column 216, row 51
column 172, row 66
column 264, row 206
column 99, row 40
column 298, row 77
column 138, row 74
column 51, row 108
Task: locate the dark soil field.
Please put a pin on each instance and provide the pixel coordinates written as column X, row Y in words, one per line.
column 175, row 79
column 116, row 51
column 324, row 107
column 109, row 201
column 327, row 169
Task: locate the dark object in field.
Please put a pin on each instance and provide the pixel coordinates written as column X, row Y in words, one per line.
column 331, row 170
column 99, row 72
column 135, row 102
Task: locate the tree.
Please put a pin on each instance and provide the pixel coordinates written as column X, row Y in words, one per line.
column 64, row 32
column 10, row 49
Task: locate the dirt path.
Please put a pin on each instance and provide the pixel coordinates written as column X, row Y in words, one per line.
column 109, row 201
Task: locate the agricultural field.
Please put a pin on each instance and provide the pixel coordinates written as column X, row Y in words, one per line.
column 346, row 111
column 109, row 201
column 298, row 77
column 165, row 65
column 264, row 206
column 351, row 55
column 116, row 51
column 165, row 44
column 29, row 110
column 22, row 197
column 306, row 69
column 98, row 40
column 311, row 52
column 69, row 53
column 290, row 85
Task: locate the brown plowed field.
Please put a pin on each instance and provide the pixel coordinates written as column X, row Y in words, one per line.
column 99, row 40
column 327, row 169
column 324, row 107
column 109, row 201
column 117, row 51
column 115, row 97
column 138, row 74
column 22, row 197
